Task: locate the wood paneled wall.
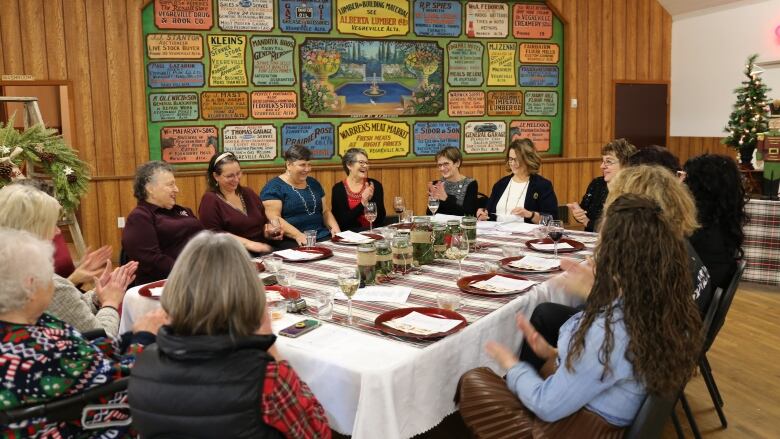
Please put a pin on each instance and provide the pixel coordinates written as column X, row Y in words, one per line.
column 97, row 45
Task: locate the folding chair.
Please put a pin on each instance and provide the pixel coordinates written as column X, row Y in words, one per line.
column 651, row 418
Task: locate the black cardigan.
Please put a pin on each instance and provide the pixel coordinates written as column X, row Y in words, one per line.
column 539, row 198
column 593, row 202
column 348, row 218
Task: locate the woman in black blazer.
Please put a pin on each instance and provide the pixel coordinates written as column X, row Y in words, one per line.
column 350, row 196
column 524, row 194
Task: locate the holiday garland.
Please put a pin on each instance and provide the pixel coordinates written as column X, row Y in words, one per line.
column 46, row 149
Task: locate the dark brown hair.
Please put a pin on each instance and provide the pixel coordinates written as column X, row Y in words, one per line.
column 450, row 153
column 215, row 166
column 622, row 148
column 526, row 151
column 642, row 267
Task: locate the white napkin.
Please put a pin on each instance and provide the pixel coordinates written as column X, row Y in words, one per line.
column 501, row 284
column 351, row 236
column 156, row 291
column 536, row 263
column 442, row 218
column 561, row 246
column 517, row 227
column 375, row 293
column 295, row 255
column 486, row 225
column 422, row 324
column 273, row 296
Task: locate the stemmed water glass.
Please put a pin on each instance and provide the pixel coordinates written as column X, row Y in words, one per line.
column 433, row 205
column 555, row 232
column 544, row 222
column 349, row 280
column 370, row 214
column 458, row 248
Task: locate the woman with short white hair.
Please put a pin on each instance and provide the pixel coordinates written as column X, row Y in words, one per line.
column 29, row 209
column 43, row 357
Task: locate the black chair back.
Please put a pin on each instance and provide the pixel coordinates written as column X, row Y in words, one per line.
column 65, row 409
column 482, row 200
column 651, row 418
column 723, row 306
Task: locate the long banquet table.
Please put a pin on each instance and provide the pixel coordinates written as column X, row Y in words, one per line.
column 376, row 386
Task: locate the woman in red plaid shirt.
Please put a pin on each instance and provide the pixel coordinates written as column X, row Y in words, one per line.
column 214, row 371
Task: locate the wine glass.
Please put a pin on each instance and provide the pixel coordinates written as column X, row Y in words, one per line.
column 458, row 248
column 349, row 280
column 398, row 206
column 286, row 279
column 544, row 222
column 433, row 205
column 370, row 214
column 555, row 232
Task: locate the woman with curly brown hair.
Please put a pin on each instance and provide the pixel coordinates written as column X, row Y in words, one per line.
column 640, row 333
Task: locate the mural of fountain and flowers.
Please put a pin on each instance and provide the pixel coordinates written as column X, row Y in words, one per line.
column 319, row 96
column 426, row 98
column 326, row 63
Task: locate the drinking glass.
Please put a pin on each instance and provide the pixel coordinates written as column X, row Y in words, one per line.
column 274, row 227
column 458, row 249
column 286, row 279
column 544, row 222
column 272, row 264
column 407, row 215
column 349, row 280
column 398, row 206
column 370, row 214
column 323, row 303
column 555, row 232
column 311, row 238
column 433, row 205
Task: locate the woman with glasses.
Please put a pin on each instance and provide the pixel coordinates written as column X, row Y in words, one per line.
column 229, row 207
column 457, row 194
column 299, row 199
column 614, row 156
column 525, row 194
column 353, row 195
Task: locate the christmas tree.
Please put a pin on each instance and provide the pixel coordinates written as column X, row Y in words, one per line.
column 749, row 117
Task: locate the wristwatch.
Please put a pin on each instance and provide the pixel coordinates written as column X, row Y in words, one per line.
column 532, row 215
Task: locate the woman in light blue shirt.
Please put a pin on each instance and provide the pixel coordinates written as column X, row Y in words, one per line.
column 640, row 333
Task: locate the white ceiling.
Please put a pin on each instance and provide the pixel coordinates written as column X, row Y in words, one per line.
column 678, row 7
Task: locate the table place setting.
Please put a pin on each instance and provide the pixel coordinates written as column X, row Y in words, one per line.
column 564, row 245
column 422, row 324
column 535, row 263
column 376, row 293
column 516, row 227
column 503, row 284
column 443, row 218
column 304, row 254
column 156, row 292
column 350, row 237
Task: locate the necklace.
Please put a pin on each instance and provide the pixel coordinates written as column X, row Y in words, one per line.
column 240, row 197
column 313, row 199
column 523, row 192
column 355, row 195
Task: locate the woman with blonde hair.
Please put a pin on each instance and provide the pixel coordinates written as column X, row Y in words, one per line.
column 214, row 371
column 524, row 194
column 23, row 207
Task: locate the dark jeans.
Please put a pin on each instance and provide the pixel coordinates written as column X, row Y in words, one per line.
column 547, row 318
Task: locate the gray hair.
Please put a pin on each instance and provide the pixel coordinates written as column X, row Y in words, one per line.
column 23, row 207
column 213, row 288
column 350, row 157
column 24, row 266
column 145, row 174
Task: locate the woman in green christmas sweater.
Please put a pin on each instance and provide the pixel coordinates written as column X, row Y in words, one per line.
column 44, row 359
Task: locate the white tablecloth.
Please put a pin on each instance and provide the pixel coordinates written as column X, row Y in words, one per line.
column 375, row 387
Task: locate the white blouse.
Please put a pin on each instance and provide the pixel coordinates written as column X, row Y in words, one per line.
column 512, row 198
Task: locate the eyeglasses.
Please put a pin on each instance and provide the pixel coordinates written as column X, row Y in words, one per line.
column 609, row 162
column 361, row 162
column 512, row 160
column 444, row 165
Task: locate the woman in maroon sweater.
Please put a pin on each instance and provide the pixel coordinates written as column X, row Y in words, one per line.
column 231, row 208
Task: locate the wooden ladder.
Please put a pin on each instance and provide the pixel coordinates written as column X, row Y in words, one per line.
column 32, row 116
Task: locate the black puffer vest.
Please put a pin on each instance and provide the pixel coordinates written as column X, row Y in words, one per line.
column 201, row 387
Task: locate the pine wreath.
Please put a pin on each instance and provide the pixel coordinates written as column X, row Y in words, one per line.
column 46, row 149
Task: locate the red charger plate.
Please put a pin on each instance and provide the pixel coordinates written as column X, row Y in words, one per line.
column 146, row 289
column 431, row 312
column 465, row 282
column 322, row 253
column 340, row 240
column 401, row 226
column 576, row 244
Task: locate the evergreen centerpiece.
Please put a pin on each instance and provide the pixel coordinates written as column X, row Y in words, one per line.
column 749, row 117
column 45, row 149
